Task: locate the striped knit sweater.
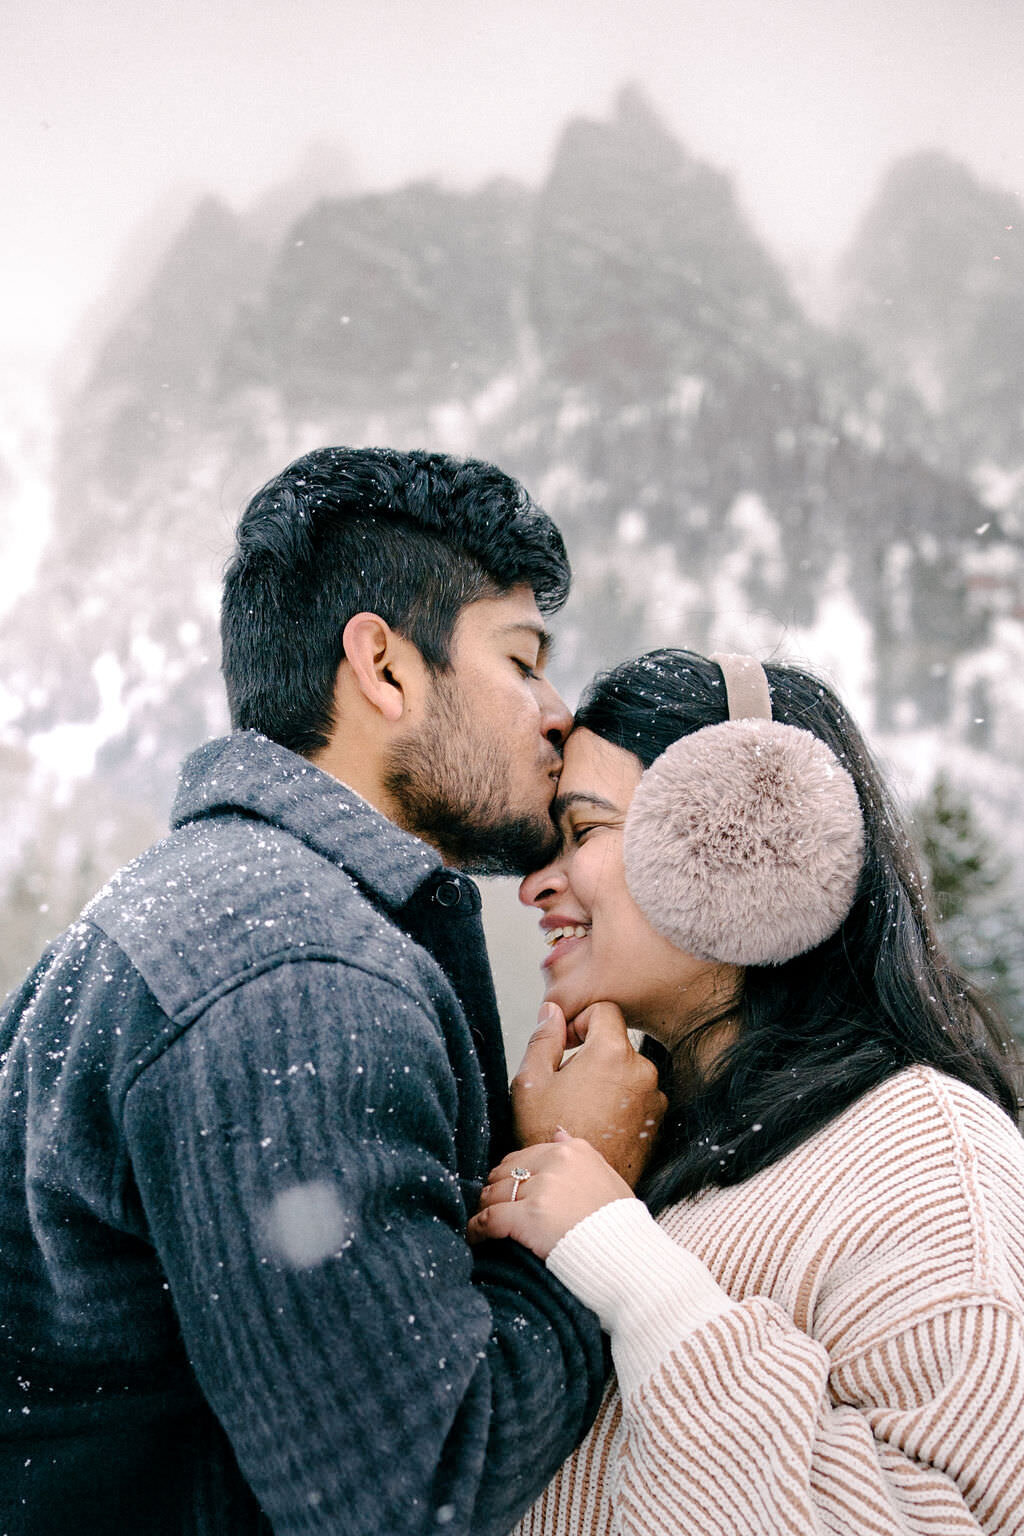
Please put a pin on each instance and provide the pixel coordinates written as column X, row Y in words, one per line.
column 835, row 1345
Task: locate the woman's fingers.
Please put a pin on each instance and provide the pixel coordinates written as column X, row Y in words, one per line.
column 499, row 1191
column 555, row 1185
column 523, row 1219
column 529, row 1158
column 493, row 1222
column 542, row 1157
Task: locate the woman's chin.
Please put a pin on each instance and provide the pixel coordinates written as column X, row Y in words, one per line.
column 569, row 986
column 571, row 1001
column 562, row 998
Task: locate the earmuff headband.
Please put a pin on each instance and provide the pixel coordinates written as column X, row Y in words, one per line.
column 746, row 686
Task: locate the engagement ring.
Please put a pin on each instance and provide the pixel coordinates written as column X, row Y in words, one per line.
column 519, row 1176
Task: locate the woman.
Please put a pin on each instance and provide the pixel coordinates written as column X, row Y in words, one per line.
column 816, row 1318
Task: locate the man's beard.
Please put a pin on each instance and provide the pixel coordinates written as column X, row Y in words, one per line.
column 449, row 790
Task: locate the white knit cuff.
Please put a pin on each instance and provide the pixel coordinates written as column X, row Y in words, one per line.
column 647, row 1291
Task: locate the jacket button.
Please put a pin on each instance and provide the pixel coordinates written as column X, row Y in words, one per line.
column 448, row 893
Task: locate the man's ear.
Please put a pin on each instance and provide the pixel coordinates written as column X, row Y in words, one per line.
column 377, row 657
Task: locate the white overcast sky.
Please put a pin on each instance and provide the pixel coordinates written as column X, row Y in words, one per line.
column 107, row 105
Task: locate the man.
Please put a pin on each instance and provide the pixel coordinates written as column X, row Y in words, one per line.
column 245, row 1099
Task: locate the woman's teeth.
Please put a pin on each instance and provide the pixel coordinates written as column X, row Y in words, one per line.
column 577, row 931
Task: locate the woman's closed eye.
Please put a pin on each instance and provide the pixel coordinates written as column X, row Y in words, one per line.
column 578, row 832
column 578, row 815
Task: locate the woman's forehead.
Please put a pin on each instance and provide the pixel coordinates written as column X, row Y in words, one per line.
column 597, row 769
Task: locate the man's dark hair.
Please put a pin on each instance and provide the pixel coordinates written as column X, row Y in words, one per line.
column 413, row 537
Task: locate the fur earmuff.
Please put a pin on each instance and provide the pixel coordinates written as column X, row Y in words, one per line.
column 744, row 842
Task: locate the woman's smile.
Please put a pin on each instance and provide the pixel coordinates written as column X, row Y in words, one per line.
column 561, row 935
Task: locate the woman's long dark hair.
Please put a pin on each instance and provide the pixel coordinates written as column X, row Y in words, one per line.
column 821, row 1030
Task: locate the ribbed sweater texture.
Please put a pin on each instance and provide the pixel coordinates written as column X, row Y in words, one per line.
column 835, row 1345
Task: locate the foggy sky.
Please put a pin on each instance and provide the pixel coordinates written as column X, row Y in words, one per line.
column 110, row 104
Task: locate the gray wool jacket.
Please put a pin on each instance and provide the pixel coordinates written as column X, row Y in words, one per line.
column 243, row 1122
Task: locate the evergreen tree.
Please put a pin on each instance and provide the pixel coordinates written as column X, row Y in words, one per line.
column 972, row 898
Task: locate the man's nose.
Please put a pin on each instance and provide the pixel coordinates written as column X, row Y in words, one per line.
column 556, row 716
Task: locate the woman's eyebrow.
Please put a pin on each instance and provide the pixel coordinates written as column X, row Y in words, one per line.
column 562, row 803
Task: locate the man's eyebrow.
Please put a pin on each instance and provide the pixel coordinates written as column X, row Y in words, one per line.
column 562, row 803
column 545, row 639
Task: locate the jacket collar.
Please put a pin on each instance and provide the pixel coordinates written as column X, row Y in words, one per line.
column 248, row 774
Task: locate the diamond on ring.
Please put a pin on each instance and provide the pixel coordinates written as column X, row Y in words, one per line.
column 519, row 1176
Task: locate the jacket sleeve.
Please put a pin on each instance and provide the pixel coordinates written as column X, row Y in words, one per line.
column 294, row 1151
column 736, row 1422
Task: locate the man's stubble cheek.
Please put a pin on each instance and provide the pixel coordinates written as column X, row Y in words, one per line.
column 454, row 789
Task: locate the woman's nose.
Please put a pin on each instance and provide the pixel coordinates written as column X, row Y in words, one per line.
column 544, row 883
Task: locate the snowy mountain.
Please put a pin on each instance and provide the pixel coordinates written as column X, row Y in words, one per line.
column 727, row 473
column 934, row 287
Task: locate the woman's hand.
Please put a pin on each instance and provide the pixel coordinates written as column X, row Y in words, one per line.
column 568, row 1180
